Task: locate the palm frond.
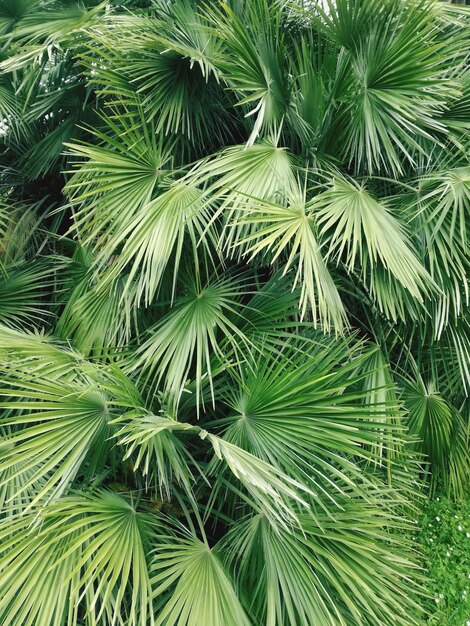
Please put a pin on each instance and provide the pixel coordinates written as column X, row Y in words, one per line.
column 263, row 170
column 441, row 434
column 37, row 355
column 170, row 65
column 279, row 231
column 202, row 324
column 343, row 571
column 150, row 442
column 42, row 30
column 57, row 426
column 440, row 219
column 254, row 61
column 191, row 586
column 270, row 489
column 158, row 235
column 96, row 554
column 233, row 290
column 23, row 292
column 363, row 232
column 97, row 317
column 301, row 409
column 394, row 60
column 115, row 178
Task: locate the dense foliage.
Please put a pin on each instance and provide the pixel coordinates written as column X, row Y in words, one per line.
column 234, row 329
column 445, row 536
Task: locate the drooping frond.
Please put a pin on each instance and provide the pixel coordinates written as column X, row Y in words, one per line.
column 288, row 231
column 362, row 232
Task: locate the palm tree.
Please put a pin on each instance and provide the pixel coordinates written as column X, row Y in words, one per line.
column 234, row 330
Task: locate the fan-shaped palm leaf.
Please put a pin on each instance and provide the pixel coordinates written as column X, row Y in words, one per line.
column 390, row 103
column 300, row 409
column 359, row 226
column 22, row 293
column 191, row 585
column 344, row 571
column 58, row 426
column 203, row 323
column 254, row 60
column 276, row 229
column 96, row 554
column 441, row 436
column 116, row 178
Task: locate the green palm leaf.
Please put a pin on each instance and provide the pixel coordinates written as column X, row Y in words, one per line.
column 203, row 323
column 441, row 436
column 170, row 64
column 253, row 64
column 393, row 62
column 360, row 227
column 300, row 409
column 96, row 552
column 349, row 570
column 22, row 293
column 57, row 427
column 274, row 230
column 158, row 234
column 35, row 354
column 45, row 28
column 160, row 456
column 191, row 585
column 114, row 180
column 33, row 592
column 97, row 316
column 263, row 170
column 270, row 489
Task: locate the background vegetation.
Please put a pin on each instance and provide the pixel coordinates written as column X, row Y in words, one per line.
column 235, row 340
column 445, row 536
